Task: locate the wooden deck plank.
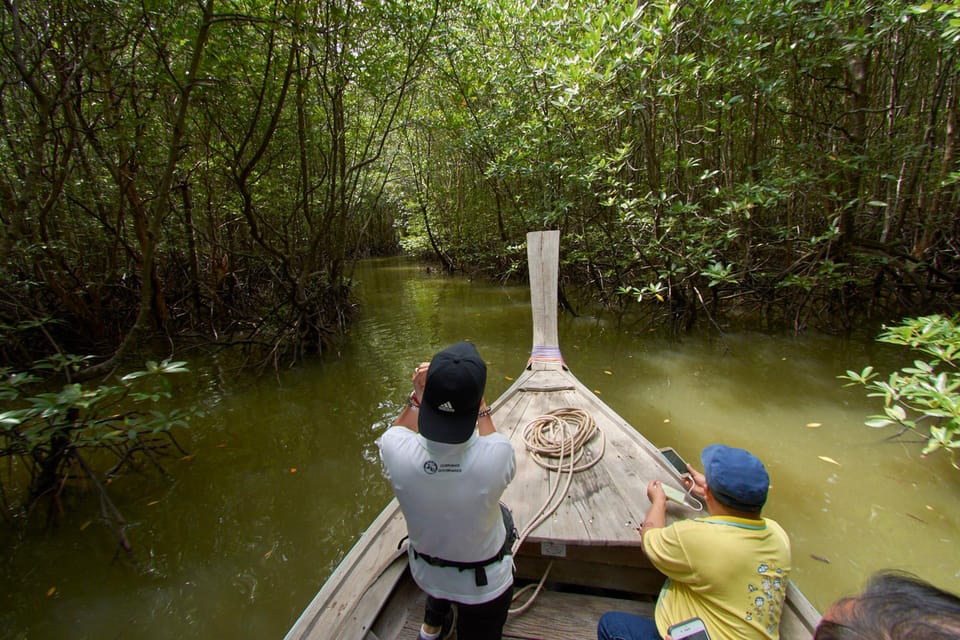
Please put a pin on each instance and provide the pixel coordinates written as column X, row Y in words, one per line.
column 568, row 616
column 553, row 616
column 565, row 616
column 606, row 503
column 399, row 610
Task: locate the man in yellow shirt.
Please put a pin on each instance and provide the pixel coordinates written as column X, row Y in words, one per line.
column 729, row 569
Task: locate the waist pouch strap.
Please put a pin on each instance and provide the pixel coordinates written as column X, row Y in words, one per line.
column 478, row 567
column 480, row 575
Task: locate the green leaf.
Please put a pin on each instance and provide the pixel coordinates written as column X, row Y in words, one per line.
column 174, row 367
column 12, row 418
column 896, row 412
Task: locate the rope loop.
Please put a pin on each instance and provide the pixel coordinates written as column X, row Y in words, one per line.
column 561, row 433
column 557, row 442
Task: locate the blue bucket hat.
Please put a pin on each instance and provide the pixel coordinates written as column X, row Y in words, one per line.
column 736, row 477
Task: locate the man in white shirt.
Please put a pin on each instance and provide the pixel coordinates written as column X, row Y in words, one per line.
column 448, row 467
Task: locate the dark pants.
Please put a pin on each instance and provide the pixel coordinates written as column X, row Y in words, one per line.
column 474, row 621
column 616, row 625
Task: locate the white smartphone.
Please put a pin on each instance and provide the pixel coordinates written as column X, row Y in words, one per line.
column 675, row 460
column 692, row 629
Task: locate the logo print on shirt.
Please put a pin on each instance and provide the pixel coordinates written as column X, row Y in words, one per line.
column 430, row 467
column 446, row 406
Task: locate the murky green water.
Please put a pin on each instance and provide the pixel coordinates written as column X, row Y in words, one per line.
column 284, row 476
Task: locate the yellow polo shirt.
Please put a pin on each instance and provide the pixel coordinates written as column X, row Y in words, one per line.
column 730, row 572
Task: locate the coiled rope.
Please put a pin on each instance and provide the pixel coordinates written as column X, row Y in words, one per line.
column 548, row 438
column 557, row 442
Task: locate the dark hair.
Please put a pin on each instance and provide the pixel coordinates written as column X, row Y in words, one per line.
column 893, row 606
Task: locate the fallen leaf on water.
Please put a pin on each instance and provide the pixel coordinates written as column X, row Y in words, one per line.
column 829, row 459
column 819, row 558
column 293, row 469
column 51, row 591
column 813, row 425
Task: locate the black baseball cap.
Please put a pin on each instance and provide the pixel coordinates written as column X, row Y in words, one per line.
column 452, row 394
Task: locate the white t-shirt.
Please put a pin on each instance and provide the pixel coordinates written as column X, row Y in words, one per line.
column 450, row 495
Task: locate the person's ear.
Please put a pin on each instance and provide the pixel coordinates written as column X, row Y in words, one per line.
column 707, row 494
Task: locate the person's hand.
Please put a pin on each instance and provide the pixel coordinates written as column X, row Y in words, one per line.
column 655, row 492
column 697, row 481
column 419, row 379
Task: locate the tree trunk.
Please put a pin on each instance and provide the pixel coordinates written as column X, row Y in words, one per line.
column 148, row 283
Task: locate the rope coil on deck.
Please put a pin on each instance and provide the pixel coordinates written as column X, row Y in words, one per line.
column 547, row 441
column 557, row 442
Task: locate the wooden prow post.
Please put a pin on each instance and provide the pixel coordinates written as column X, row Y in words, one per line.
column 543, row 256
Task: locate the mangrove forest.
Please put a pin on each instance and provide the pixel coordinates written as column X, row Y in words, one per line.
column 211, row 171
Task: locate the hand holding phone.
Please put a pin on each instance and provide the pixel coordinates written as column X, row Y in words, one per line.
column 675, row 460
column 690, row 480
column 692, row 629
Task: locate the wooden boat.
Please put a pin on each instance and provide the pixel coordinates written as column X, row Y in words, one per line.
column 587, row 537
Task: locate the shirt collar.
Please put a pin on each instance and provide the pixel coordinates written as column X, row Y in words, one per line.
column 734, row 521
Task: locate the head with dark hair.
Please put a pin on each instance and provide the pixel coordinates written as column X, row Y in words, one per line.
column 894, row 606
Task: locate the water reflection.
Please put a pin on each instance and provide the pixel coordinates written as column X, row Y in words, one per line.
column 283, row 474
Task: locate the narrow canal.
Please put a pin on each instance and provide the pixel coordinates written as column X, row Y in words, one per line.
column 283, row 475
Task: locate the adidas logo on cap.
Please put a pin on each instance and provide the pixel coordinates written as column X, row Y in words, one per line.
column 452, row 394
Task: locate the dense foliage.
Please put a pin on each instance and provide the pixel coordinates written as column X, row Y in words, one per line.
column 194, row 167
column 213, row 169
column 923, row 398
column 792, row 160
column 81, row 434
